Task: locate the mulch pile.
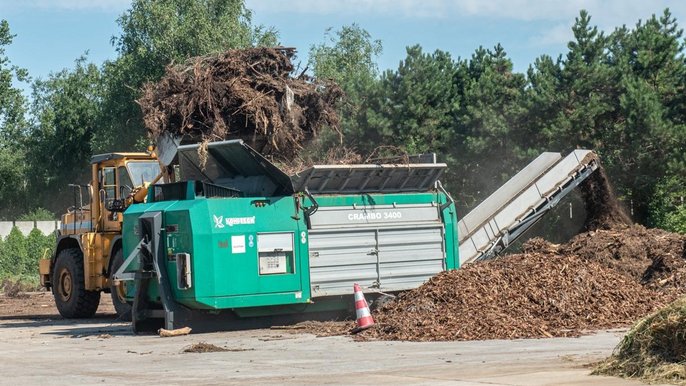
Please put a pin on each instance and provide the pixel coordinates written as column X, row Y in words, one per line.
column 609, row 276
column 533, row 294
column 247, row 94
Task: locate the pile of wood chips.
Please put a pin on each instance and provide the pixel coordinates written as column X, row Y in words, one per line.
column 536, row 294
column 609, row 276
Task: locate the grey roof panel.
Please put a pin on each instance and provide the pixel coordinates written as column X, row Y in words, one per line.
column 340, row 179
column 235, row 165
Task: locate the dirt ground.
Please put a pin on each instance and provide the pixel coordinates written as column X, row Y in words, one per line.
column 41, row 305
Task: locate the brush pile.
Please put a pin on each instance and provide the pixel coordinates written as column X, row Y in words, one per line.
column 247, row 94
column 654, row 349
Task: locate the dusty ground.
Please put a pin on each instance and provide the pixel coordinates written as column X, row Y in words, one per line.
column 43, row 348
column 41, row 305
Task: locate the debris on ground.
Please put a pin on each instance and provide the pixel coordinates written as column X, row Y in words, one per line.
column 16, row 288
column 204, row 347
column 654, row 349
column 322, row 328
column 248, row 94
column 164, row 333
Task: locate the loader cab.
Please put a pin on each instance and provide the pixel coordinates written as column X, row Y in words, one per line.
column 114, row 178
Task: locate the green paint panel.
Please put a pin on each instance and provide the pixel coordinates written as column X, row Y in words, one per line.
column 222, row 235
column 252, row 254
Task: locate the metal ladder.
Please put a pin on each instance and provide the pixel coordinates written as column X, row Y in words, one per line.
column 516, row 206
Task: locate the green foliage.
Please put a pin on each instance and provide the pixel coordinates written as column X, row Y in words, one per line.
column 668, row 207
column 488, row 124
column 12, row 125
column 155, row 34
column 417, row 103
column 349, row 57
column 65, row 108
column 13, row 187
column 37, row 246
column 38, row 214
column 19, row 255
column 12, row 102
column 13, row 254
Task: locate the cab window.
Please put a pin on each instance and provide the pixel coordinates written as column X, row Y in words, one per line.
column 109, row 183
column 124, row 179
column 143, row 171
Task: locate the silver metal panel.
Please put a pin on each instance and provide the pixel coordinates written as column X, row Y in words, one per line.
column 389, row 259
column 537, row 190
column 561, row 171
column 339, row 259
column 235, row 165
column 509, row 214
column 377, row 215
column 479, row 215
column 340, row 179
column 408, row 258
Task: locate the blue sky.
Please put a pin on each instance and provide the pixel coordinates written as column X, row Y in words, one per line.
column 51, row 34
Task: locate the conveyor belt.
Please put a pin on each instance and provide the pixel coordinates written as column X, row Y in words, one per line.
column 505, row 215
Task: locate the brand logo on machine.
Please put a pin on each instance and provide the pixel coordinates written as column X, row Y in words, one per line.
column 220, row 221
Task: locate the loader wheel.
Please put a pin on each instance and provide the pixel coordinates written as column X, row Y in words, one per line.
column 69, row 288
column 118, row 292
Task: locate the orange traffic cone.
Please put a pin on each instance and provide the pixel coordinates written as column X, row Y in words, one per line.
column 364, row 317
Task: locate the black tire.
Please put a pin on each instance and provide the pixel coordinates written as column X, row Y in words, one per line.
column 116, row 291
column 71, row 297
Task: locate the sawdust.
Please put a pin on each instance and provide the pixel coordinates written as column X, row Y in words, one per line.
column 603, row 209
column 321, row 328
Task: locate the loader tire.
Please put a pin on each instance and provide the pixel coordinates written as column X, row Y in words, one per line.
column 71, row 297
column 117, row 291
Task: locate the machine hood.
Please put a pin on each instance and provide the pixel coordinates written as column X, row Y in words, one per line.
column 233, row 164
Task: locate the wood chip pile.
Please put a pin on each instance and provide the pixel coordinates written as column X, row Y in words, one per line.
column 247, row 94
column 603, row 278
column 540, row 293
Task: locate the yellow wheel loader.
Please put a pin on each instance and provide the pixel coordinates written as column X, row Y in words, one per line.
column 88, row 249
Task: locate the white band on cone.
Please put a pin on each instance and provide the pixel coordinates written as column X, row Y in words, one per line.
column 362, row 312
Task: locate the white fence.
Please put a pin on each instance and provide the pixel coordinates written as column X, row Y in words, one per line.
column 25, row 227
